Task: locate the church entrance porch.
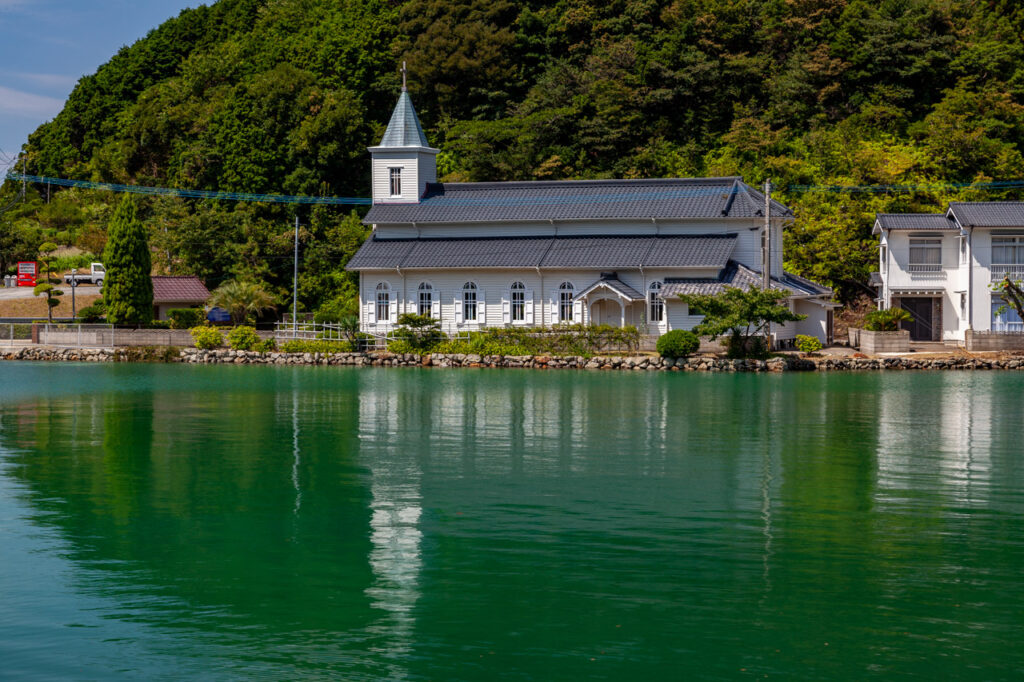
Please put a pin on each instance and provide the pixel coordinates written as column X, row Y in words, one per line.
column 610, row 301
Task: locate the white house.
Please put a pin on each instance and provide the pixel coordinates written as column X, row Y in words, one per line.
column 612, row 252
column 940, row 267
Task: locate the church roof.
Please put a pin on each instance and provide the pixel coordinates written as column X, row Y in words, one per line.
column 704, row 251
column 470, row 202
column 404, row 129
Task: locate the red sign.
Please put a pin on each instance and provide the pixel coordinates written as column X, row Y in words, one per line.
column 27, row 273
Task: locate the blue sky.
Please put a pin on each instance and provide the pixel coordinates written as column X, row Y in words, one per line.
column 47, row 45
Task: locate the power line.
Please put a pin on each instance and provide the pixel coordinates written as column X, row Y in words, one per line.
column 192, row 193
column 898, row 189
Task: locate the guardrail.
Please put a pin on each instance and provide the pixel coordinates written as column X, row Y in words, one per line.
column 1014, row 272
column 14, row 333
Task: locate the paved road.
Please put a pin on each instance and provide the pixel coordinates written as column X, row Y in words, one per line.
column 26, row 292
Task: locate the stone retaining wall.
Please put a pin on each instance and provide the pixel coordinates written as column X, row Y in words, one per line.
column 385, row 359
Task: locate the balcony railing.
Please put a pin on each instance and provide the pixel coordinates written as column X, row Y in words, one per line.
column 1016, row 272
column 926, row 270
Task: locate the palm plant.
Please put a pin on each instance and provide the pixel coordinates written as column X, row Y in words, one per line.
column 242, row 299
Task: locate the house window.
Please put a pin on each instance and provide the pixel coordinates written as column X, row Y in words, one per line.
column 1007, row 258
column 425, row 299
column 655, row 303
column 518, row 302
column 396, row 181
column 383, row 302
column 884, row 257
column 963, row 248
column 565, row 296
column 469, row 302
column 1005, row 318
column 925, row 255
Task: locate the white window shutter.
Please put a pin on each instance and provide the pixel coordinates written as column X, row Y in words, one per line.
column 506, row 310
column 435, row 306
column 554, row 309
column 371, row 316
column 481, row 308
column 458, row 307
column 393, row 311
column 529, row 307
column 577, row 312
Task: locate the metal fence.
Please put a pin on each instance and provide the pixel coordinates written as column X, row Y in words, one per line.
column 108, row 336
column 15, row 333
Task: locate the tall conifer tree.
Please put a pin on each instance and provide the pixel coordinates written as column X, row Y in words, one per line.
column 127, row 288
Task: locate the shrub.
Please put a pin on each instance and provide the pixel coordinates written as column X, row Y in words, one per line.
column 266, row 346
column 91, row 314
column 403, row 346
column 185, row 318
column 886, row 320
column 243, row 338
column 301, row 346
column 807, row 344
column 677, row 343
column 419, row 332
column 737, row 346
column 206, row 337
column 158, row 324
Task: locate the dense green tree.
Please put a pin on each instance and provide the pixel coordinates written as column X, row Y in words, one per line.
column 127, row 287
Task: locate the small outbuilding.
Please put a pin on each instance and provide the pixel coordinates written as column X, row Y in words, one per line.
column 177, row 292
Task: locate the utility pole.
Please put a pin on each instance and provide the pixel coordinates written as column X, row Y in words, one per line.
column 24, row 178
column 295, row 281
column 766, row 271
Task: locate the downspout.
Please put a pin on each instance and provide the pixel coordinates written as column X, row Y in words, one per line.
column 970, row 279
column 886, row 298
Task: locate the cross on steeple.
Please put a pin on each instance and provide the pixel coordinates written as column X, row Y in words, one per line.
column 404, row 72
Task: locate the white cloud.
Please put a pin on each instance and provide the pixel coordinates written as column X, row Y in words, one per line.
column 26, row 104
column 58, row 81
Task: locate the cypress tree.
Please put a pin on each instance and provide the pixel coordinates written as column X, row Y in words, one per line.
column 127, row 287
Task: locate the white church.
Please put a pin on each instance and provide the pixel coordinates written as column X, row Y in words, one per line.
column 617, row 252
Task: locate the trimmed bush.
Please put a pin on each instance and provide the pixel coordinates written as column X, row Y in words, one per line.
column 886, row 320
column 266, row 346
column 403, row 346
column 91, row 314
column 807, row 344
column 158, row 324
column 186, row 318
column 243, row 338
column 677, row 343
column 206, row 338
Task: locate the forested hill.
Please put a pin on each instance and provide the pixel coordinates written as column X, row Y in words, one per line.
column 284, row 96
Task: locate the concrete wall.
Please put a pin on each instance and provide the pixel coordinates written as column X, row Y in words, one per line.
column 994, row 341
column 884, row 342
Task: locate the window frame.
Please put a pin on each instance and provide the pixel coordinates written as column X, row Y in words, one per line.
column 469, row 308
column 517, row 303
column 924, row 245
column 424, row 288
column 382, row 298
column 655, row 304
column 566, row 302
column 395, row 181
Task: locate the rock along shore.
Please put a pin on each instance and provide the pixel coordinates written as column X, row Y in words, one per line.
column 385, row 359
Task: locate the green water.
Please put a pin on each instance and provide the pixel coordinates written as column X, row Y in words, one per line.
column 170, row 522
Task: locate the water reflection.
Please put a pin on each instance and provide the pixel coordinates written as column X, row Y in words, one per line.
column 415, row 524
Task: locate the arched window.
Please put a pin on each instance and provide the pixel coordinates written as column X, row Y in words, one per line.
column 655, row 303
column 565, row 296
column 518, row 302
column 383, row 302
column 426, row 299
column 469, row 302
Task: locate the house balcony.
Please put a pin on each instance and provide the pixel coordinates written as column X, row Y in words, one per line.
column 926, row 271
column 1016, row 272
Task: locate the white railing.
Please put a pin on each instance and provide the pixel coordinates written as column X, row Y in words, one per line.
column 1015, row 272
column 922, row 268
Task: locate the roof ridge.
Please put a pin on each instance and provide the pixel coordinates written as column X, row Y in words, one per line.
column 603, row 182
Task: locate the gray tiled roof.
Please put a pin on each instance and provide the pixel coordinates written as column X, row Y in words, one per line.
column 707, row 251
column 742, row 277
column 474, row 202
column 988, row 213
column 616, row 285
column 404, row 129
column 914, row 221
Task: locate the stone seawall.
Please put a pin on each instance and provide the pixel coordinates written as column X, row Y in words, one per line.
column 787, row 363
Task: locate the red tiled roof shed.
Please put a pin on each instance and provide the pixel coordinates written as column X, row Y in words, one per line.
column 188, row 289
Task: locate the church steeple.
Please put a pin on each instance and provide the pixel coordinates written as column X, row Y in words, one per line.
column 403, row 162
